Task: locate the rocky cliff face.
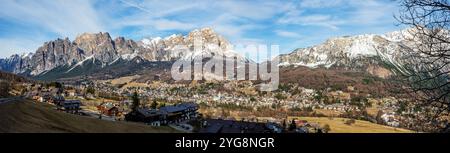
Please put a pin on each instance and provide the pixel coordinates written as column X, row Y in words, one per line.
column 178, row 46
column 16, row 63
column 99, row 45
column 9, row 64
column 101, row 48
column 51, row 55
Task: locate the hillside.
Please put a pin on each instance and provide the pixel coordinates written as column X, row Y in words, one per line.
column 12, row 77
column 24, row 116
column 337, row 79
column 337, row 125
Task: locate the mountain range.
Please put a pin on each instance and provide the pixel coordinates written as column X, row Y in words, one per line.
column 101, row 50
column 379, row 55
column 90, row 53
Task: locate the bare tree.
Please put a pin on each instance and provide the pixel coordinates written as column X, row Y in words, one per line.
column 428, row 53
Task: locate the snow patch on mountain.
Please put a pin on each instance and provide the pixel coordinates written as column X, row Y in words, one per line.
column 352, row 52
column 81, row 63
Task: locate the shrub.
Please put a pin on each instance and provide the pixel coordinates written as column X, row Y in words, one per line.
column 350, row 121
column 326, row 128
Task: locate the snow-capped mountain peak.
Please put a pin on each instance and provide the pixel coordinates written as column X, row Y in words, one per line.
column 105, row 50
column 351, row 52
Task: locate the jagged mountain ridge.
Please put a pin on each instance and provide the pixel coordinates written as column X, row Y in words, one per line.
column 380, row 55
column 102, row 50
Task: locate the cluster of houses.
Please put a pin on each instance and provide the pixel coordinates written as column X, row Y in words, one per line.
column 241, row 95
column 164, row 115
column 69, row 106
column 56, row 97
column 236, row 93
column 391, row 119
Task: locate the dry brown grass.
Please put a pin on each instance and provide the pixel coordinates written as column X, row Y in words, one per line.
column 338, row 125
column 124, row 80
column 24, row 116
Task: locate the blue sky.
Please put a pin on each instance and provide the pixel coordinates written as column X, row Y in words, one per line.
column 27, row 24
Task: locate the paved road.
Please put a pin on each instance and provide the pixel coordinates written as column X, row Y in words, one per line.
column 96, row 115
column 7, row 100
column 187, row 128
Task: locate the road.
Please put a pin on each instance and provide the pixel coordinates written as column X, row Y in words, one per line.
column 96, row 115
column 184, row 127
column 7, row 100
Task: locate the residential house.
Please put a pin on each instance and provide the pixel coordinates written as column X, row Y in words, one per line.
column 164, row 115
column 109, row 109
column 70, row 106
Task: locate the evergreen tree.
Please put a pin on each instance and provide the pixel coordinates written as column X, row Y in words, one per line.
column 284, row 124
column 292, row 126
column 135, row 99
column 154, row 104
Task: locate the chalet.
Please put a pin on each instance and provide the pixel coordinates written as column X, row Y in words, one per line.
column 164, row 115
column 71, row 93
column 109, row 109
column 46, row 97
column 300, row 123
column 38, row 98
column 56, row 99
column 151, row 116
column 179, row 112
column 70, row 106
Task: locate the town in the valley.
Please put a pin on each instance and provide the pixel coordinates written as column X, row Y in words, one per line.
column 223, row 107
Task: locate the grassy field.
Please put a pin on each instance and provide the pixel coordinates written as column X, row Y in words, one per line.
column 24, row 116
column 338, row 125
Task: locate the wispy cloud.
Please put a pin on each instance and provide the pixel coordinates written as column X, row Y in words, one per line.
column 339, row 13
column 28, row 24
column 258, row 21
column 66, row 18
column 288, row 34
column 313, row 20
column 320, row 3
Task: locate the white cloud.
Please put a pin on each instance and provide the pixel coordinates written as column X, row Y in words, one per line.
column 164, row 24
column 59, row 17
column 373, row 12
column 238, row 21
column 10, row 46
column 320, row 3
column 66, row 18
column 251, row 9
column 314, row 20
column 158, row 9
column 368, row 12
column 287, row 34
